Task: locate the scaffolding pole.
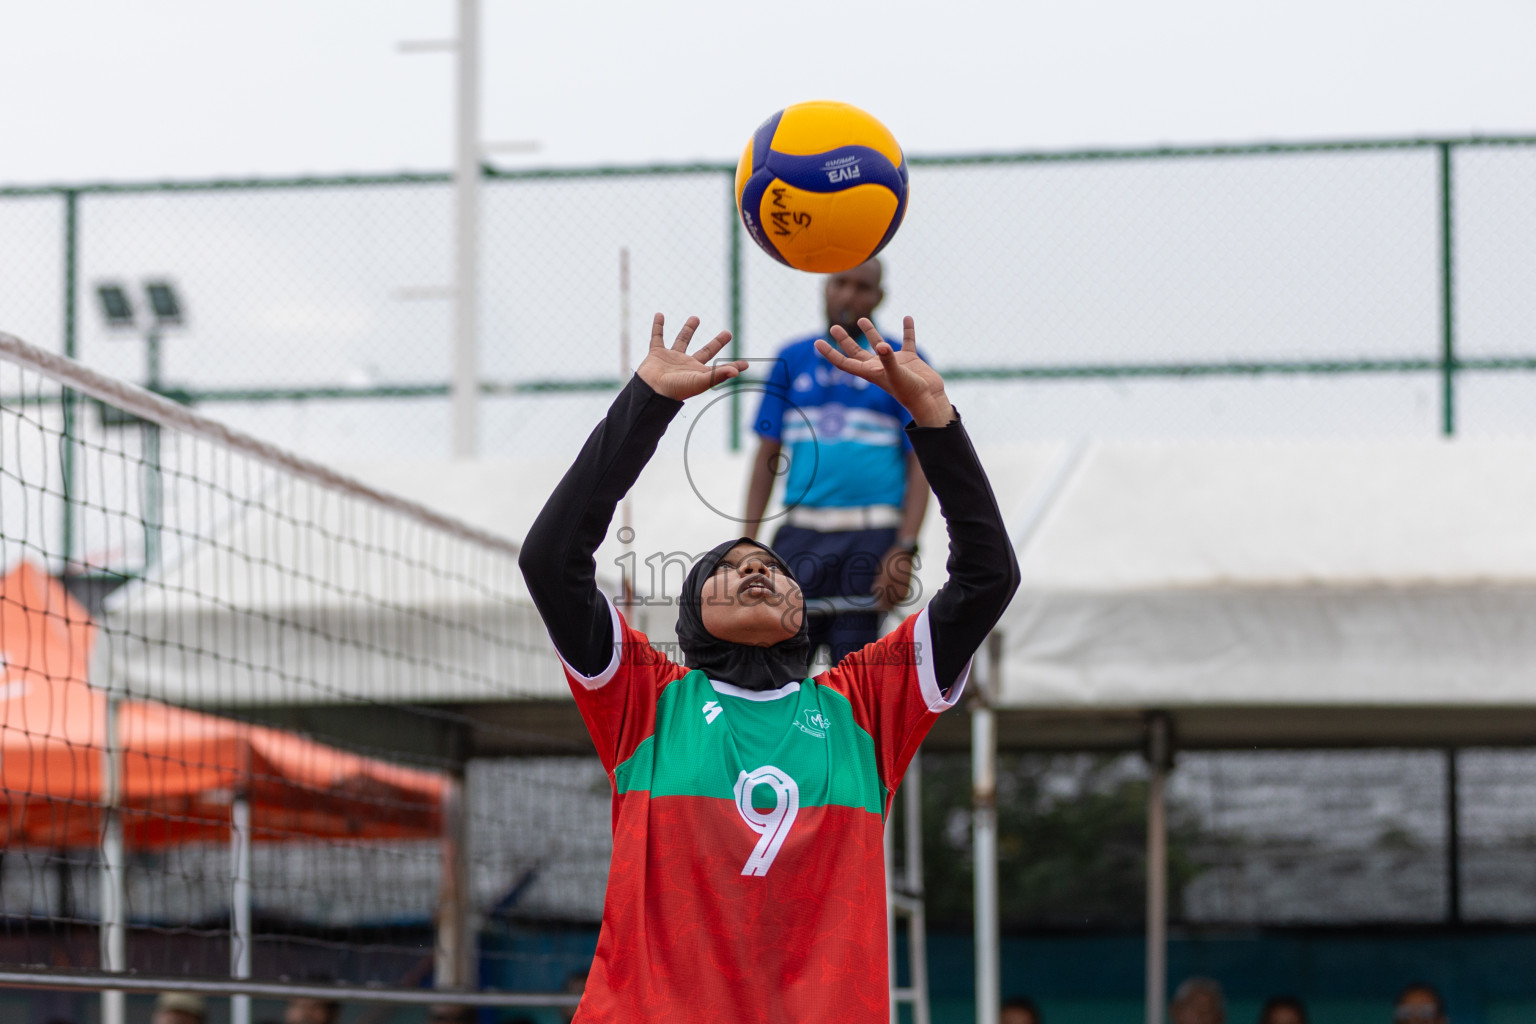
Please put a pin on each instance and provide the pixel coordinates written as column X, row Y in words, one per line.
column 241, row 933
column 984, row 836
column 453, row 955
column 1160, row 758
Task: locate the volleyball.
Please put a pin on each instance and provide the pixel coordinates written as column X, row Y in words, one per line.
column 822, row 186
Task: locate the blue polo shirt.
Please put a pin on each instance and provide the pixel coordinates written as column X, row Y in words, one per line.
column 843, row 436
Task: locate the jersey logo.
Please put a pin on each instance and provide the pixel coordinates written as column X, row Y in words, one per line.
column 815, row 723
column 712, row 711
column 772, row 825
column 831, row 421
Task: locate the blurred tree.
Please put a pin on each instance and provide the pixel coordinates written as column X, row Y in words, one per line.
column 1072, row 834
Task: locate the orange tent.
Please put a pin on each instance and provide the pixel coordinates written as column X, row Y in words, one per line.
column 180, row 770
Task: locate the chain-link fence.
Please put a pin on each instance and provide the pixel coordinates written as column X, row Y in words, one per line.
column 1256, row 838
column 1339, row 289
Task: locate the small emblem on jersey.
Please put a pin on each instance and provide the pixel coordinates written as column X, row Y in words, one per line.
column 832, row 420
column 813, row 723
column 712, row 711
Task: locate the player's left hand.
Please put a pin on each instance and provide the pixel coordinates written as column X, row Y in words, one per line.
column 900, row 373
column 894, row 580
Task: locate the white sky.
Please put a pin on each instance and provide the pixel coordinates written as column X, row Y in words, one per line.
column 93, row 89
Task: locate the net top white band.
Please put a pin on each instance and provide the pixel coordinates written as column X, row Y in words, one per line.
column 152, row 407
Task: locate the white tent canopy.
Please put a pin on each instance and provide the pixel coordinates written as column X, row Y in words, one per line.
column 1256, row 580
column 1327, row 574
column 1268, row 578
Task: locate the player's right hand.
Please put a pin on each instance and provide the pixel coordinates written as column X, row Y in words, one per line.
column 676, row 374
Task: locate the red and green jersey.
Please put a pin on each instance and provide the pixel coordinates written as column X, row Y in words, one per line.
column 747, row 883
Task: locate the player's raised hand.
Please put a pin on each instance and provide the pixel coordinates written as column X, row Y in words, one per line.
column 899, row 372
column 676, row 373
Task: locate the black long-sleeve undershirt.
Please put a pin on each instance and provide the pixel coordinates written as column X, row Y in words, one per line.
column 983, row 571
column 557, row 555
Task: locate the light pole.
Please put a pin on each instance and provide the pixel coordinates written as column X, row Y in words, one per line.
column 464, row 382
column 165, row 311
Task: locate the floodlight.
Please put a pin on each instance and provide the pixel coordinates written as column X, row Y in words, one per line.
column 115, row 305
column 164, row 303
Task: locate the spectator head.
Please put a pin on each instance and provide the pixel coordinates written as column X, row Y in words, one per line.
column 1283, row 1010
column 855, row 293
column 448, row 1013
column 1019, row 1010
column 1198, row 1001
column 575, row 984
column 180, row 1008
column 1419, row 1004
column 312, row 1011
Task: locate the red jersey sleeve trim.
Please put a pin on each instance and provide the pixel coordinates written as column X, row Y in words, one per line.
column 927, row 682
column 604, row 677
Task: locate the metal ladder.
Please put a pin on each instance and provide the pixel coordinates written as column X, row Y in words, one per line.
column 903, row 893
column 904, row 897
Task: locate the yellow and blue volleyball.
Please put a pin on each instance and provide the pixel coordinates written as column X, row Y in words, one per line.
column 822, row 186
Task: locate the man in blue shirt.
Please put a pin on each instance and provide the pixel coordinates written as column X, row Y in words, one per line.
column 853, row 492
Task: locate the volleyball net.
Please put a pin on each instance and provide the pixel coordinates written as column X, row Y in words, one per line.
column 240, row 697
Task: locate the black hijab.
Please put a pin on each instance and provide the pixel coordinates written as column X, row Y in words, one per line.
column 743, row 665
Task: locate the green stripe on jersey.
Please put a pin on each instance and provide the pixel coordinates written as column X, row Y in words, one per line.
column 704, row 740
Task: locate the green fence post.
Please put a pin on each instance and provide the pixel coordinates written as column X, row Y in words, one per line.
column 71, row 350
column 735, row 314
column 1447, row 300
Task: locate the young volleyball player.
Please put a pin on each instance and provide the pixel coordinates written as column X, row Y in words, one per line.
column 748, row 881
